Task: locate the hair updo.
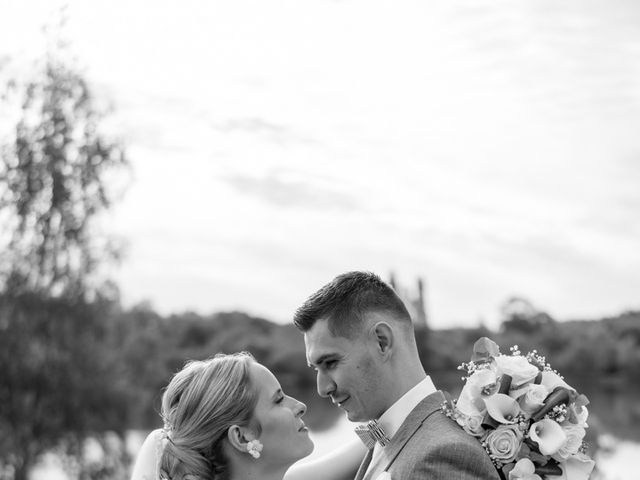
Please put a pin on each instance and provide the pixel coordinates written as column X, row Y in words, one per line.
column 199, row 405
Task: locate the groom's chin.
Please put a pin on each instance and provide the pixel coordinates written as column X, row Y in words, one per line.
column 354, row 417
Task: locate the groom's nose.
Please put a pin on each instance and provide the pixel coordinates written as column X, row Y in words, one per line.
column 325, row 384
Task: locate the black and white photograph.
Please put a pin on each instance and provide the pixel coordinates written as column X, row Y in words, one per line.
column 319, row 240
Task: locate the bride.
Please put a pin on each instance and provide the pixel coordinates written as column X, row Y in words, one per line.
column 228, row 418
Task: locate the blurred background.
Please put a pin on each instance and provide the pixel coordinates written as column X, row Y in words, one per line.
column 177, row 177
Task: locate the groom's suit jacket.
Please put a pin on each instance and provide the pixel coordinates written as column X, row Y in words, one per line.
column 430, row 446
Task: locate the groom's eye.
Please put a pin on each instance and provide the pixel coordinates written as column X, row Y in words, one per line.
column 330, row 364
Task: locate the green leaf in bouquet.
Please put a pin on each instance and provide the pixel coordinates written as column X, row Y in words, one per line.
column 581, row 401
column 505, row 384
column 550, row 469
column 484, row 349
column 504, row 471
column 448, row 406
column 524, row 452
column 559, row 396
column 489, row 423
column 537, row 458
column 575, row 410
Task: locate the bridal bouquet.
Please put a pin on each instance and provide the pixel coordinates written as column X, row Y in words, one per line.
column 530, row 422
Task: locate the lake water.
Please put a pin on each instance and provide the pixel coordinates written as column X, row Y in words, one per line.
column 616, row 459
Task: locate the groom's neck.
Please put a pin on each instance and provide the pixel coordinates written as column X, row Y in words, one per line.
column 404, row 376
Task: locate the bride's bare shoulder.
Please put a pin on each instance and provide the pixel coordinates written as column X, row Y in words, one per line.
column 146, row 464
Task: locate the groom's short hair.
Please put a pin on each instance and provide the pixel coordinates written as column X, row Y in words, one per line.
column 346, row 300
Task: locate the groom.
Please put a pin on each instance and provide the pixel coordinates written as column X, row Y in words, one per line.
column 359, row 338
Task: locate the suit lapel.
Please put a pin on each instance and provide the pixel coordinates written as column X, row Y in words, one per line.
column 416, row 418
column 364, row 465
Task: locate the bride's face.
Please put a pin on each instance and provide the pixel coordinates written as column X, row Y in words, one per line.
column 283, row 433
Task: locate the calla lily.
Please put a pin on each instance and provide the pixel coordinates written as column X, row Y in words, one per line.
column 577, row 467
column 469, row 404
column 502, row 408
column 548, row 435
column 470, row 400
column 485, row 380
column 524, row 470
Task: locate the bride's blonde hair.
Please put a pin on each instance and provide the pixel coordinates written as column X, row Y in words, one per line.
column 199, row 405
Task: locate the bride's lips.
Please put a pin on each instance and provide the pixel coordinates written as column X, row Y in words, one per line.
column 303, row 428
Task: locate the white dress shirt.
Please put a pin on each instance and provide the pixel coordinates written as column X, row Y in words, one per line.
column 396, row 414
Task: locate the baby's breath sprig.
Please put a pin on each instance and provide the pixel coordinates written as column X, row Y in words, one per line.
column 558, row 413
column 522, row 423
column 469, row 367
column 515, row 351
column 540, row 361
column 472, row 367
column 497, row 463
column 537, row 360
column 448, row 409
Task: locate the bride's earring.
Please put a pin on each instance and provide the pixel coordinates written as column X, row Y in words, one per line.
column 254, row 447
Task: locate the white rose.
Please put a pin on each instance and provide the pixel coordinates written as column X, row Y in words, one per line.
column 518, row 368
column 504, row 442
column 533, row 398
column 551, row 380
column 471, row 424
column 575, row 434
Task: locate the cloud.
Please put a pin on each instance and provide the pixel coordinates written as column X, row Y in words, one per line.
column 283, row 190
column 273, row 132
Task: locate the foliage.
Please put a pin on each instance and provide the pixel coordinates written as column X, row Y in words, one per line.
column 137, row 350
column 52, row 185
column 519, row 315
column 575, row 348
column 61, row 381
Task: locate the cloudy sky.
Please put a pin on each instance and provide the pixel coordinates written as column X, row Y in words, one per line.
column 491, row 147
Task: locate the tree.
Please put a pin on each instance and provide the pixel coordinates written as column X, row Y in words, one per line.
column 53, row 188
column 59, row 365
column 61, row 380
column 520, row 316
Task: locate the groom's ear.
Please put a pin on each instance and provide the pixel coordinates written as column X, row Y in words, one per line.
column 383, row 336
column 238, row 437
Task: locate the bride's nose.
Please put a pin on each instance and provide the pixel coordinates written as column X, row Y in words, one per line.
column 300, row 409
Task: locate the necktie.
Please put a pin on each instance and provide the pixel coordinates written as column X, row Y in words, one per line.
column 371, row 433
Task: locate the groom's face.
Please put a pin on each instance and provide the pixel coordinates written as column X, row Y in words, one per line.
column 347, row 371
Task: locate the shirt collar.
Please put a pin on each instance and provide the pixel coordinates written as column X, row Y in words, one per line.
column 396, row 414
